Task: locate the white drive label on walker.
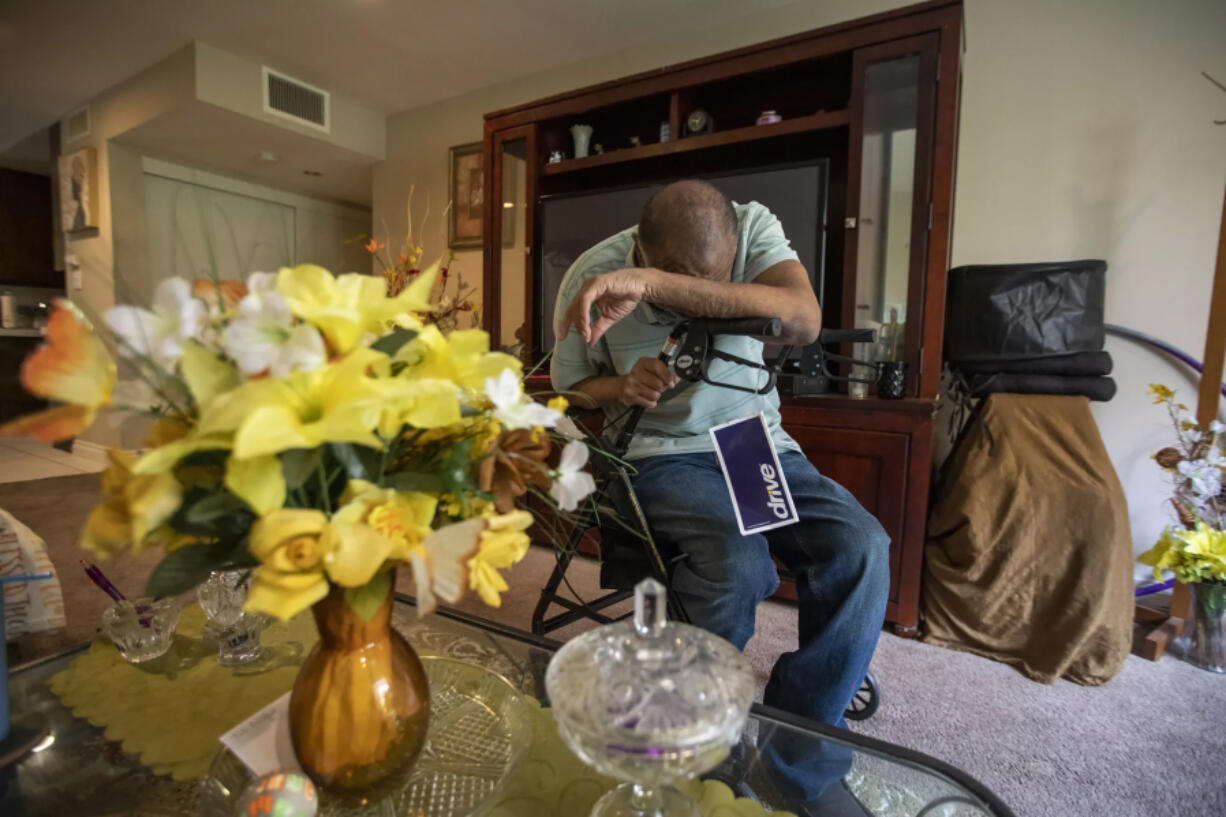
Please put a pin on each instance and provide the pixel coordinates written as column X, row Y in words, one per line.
column 756, row 484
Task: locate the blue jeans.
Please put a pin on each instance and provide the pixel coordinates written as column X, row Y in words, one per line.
column 840, row 556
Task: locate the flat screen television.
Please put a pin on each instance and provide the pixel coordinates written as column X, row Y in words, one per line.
column 571, row 223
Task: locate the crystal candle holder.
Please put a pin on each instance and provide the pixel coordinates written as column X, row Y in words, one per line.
column 143, row 629
column 221, row 598
column 239, row 644
column 650, row 702
column 237, row 633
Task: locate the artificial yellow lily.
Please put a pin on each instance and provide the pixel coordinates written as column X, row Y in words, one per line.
column 420, row 403
column 502, row 544
column 73, row 367
column 207, row 375
column 1205, row 548
column 1193, row 555
column 463, row 357
column 258, row 481
column 347, row 307
column 132, row 507
column 339, row 403
column 290, row 546
column 373, row 525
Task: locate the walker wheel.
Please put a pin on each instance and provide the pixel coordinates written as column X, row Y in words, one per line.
column 866, row 700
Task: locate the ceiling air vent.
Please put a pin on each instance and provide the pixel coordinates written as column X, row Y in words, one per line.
column 76, row 125
column 293, row 99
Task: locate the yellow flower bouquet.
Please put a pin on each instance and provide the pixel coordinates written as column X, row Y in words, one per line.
column 312, row 428
column 1195, row 550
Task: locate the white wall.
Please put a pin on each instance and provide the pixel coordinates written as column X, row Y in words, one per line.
column 231, row 82
column 1085, row 132
column 155, row 91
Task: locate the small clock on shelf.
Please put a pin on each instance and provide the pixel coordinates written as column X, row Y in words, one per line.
column 699, row 121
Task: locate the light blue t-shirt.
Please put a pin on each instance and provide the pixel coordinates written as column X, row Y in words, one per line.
column 679, row 425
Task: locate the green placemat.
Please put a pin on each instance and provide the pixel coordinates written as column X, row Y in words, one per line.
column 553, row 782
column 171, row 712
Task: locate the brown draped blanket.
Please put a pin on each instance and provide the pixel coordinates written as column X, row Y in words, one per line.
column 1029, row 552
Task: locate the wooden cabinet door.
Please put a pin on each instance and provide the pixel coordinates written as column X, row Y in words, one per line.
column 873, row 466
column 25, row 231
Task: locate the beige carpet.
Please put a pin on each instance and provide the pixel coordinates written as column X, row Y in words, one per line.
column 1150, row 742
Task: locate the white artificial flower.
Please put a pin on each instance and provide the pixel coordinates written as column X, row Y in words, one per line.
column 263, row 335
column 569, row 429
column 1215, row 458
column 159, row 333
column 510, row 407
column 1217, row 426
column 1205, row 479
column 572, row 484
column 262, row 283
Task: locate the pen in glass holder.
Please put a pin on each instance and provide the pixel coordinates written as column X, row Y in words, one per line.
column 101, row 581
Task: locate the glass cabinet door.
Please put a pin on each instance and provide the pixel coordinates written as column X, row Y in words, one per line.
column 507, row 296
column 513, row 203
column 888, row 204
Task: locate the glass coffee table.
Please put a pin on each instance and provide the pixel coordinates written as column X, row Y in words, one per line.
column 77, row 771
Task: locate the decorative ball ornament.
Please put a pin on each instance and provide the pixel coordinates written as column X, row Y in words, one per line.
column 281, row 794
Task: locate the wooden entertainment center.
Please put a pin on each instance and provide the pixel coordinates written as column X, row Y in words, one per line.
column 875, row 98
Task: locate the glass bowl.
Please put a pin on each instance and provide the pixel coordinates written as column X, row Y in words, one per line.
column 142, row 629
column 650, row 702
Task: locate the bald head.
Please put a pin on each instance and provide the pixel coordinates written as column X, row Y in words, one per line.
column 689, row 227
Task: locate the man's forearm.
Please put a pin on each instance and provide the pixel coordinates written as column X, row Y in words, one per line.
column 721, row 299
column 597, row 392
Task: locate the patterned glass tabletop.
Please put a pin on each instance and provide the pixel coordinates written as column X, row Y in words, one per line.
column 82, row 773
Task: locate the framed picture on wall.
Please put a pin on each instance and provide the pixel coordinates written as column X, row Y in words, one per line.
column 78, row 173
column 466, row 221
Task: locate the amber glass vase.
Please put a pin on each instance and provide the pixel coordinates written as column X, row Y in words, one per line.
column 361, row 703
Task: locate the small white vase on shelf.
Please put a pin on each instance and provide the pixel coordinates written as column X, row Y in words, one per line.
column 582, row 134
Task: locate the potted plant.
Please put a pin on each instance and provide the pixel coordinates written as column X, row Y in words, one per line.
column 321, row 433
column 1195, row 549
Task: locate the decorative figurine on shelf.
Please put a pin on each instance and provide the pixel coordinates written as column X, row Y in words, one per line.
column 666, row 132
column 769, row 118
column 699, row 121
column 555, row 156
column 635, row 142
column 582, row 134
column 598, row 148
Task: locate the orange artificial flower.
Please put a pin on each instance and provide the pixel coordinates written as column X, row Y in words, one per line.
column 374, row 245
column 231, row 291
column 72, row 367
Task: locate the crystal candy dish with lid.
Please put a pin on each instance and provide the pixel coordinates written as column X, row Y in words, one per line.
column 651, row 702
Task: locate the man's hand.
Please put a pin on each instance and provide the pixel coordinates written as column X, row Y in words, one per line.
column 647, row 380
column 614, row 294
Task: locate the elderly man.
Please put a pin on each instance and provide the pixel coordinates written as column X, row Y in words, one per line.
column 694, row 253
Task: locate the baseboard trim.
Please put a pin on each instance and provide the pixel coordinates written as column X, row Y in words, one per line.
column 94, row 452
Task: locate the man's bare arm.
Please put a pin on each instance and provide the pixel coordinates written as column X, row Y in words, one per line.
column 781, row 291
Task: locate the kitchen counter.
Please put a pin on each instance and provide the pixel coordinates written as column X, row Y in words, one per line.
column 23, row 332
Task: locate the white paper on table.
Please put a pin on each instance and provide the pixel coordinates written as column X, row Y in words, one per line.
column 262, row 741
